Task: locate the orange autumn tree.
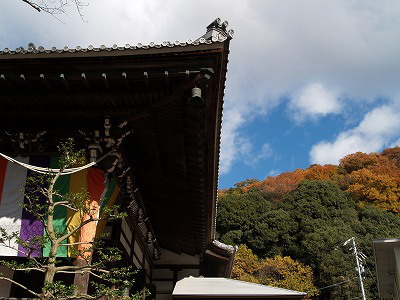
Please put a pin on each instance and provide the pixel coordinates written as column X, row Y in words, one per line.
column 286, row 182
column 372, row 179
column 380, row 190
column 392, row 154
column 357, row 161
column 279, row 185
column 324, row 172
column 377, row 163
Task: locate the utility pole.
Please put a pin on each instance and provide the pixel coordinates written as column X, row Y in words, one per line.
column 359, row 258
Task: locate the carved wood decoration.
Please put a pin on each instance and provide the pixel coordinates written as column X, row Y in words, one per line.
column 25, row 141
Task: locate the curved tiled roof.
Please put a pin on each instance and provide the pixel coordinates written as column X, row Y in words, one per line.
column 216, row 33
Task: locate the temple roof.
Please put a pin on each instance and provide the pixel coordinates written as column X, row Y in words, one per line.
column 172, row 147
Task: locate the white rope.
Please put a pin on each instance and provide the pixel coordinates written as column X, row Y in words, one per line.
column 54, row 171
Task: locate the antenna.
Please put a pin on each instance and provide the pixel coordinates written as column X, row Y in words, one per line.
column 360, row 257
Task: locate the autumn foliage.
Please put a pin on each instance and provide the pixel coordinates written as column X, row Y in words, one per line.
column 283, row 272
column 278, row 185
column 372, row 179
column 392, row 154
column 318, row 172
column 246, row 264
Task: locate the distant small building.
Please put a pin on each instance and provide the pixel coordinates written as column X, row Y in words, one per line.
column 223, row 288
column 387, row 264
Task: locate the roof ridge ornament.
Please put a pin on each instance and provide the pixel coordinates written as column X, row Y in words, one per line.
column 226, row 247
column 31, row 46
column 217, row 31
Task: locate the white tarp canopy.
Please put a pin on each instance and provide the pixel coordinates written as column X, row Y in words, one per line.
column 222, row 287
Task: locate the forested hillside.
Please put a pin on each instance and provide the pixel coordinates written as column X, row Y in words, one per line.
column 291, row 227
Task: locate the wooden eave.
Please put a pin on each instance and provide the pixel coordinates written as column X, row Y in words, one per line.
column 173, row 150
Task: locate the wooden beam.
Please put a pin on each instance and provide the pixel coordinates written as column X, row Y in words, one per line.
column 64, row 81
column 125, row 79
column 25, row 81
column 85, row 81
column 166, row 75
column 4, row 80
column 105, row 80
column 146, row 79
column 179, row 91
column 46, row 83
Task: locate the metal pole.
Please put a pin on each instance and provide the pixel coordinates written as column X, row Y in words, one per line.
column 358, row 268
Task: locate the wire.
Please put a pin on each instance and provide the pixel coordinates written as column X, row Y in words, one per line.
column 332, row 285
column 55, row 171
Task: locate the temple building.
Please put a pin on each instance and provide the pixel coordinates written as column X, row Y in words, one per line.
column 158, row 107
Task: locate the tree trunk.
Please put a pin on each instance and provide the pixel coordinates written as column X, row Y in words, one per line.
column 82, row 281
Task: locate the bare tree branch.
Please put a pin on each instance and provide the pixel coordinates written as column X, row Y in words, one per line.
column 55, row 9
column 77, row 243
column 77, row 268
column 39, row 265
column 67, row 206
column 32, row 4
column 29, row 269
column 73, row 231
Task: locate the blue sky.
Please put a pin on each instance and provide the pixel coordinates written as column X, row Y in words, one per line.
column 308, row 81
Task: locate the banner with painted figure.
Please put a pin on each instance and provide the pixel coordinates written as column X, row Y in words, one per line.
column 13, row 218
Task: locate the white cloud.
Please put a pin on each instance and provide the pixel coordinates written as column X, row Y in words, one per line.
column 230, row 145
column 236, row 146
column 378, row 129
column 273, row 172
column 253, row 158
column 395, row 144
column 314, row 100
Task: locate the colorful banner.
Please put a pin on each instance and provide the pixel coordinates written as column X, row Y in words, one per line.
column 102, row 193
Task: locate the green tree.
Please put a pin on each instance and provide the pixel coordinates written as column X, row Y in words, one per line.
column 326, row 217
column 111, row 281
column 254, row 219
column 310, row 225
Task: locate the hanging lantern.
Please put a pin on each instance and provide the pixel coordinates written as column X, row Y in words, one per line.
column 196, row 99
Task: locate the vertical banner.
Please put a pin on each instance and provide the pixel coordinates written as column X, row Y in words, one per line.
column 14, row 177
